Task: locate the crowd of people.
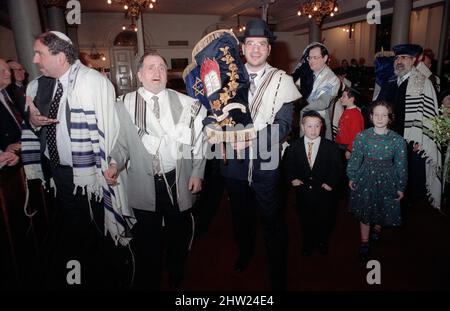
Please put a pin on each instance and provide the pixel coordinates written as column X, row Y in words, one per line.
column 124, row 175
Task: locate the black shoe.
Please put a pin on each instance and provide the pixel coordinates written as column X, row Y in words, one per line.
column 241, row 264
column 323, row 248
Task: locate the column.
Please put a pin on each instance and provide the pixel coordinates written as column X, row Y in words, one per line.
column 443, row 38
column 314, row 31
column 72, row 33
column 400, row 22
column 140, row 36
column 55, row 15
column 25, row 23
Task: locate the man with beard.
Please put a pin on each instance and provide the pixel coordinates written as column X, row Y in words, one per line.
column 414, row 100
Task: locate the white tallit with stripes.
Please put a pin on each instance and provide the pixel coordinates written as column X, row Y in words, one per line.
column 421, row 104
column 275, row 89
column 94, row 127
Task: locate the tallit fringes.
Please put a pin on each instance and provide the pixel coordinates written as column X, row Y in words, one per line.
column 210, row 38
column 216, row 135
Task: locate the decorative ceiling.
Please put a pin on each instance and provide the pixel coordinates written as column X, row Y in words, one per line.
column 282, row 13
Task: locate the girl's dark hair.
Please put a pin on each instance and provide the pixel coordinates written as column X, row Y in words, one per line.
column 387, row 106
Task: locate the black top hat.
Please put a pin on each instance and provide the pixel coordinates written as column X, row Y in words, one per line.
column 407, row 49
column 257, row 28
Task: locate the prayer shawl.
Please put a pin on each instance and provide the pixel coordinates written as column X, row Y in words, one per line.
column 186, row 132
column 94, row 127
column 421, row 105
column 275, row 89
column 326, row 87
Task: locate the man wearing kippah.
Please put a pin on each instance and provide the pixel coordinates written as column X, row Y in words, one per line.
column 414, row 100
column 73, row 127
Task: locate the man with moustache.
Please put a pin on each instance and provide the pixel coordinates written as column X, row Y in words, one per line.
column 414, row 100
column 73, row 118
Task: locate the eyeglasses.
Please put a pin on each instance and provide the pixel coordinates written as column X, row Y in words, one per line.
column 254, row 44
column 314, row 57
column 18, row 69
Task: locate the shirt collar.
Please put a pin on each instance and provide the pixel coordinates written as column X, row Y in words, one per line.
column 150, row 94
column 402, row 79
column 316, row 140
column 64, row 79
column 259, row 73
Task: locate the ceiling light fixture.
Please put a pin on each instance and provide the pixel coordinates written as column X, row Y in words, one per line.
column 134, row 7
column 318, row 9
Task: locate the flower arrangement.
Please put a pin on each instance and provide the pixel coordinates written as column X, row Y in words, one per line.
column 441, row 133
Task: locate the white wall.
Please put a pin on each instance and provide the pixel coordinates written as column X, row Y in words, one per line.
column 340, row 46
column 7, row 43
column 159, row 29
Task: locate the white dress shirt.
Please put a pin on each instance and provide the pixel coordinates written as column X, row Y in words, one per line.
column 315, row 148
column 63, row 142
column 167, row 147
column 257, row 79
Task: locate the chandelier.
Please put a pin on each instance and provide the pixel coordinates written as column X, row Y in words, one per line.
column 239, row 28
column 318, row 9
column 96, row 55
column 134, row 7
column 131, row 26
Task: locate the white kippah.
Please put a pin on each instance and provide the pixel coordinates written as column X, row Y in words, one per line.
column 61, row 36
column 311, row 44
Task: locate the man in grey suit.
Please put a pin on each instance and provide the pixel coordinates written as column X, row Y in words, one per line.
column 159, row 154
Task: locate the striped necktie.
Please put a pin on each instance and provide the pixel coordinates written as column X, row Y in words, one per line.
column 252, row 83
column 309, row 154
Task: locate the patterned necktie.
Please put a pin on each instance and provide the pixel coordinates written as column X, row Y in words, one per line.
column 51, row 129
column 252, row 83
column 155, row 107
column 155, row 162
column 11, row 106
column 310, row 149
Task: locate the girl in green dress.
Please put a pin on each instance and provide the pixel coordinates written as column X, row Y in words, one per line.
column 377, row 172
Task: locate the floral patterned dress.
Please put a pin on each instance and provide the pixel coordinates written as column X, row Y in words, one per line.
column 378, row 169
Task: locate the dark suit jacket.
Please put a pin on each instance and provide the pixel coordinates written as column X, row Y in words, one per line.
column 42, row 101
column 327, row 169
column 238, row 169
column 10, row 132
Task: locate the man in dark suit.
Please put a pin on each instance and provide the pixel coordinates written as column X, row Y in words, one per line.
column 314, row 167
column 270, row 95
column 10, row 116
column 19, row 75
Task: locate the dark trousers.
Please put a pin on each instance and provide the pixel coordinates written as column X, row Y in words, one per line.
column 317, row 214
column 261, row 196
column 149, row 238
column 77, row 233
column 206, row 206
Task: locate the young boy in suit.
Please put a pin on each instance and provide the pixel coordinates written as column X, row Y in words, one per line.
column 314, row 167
